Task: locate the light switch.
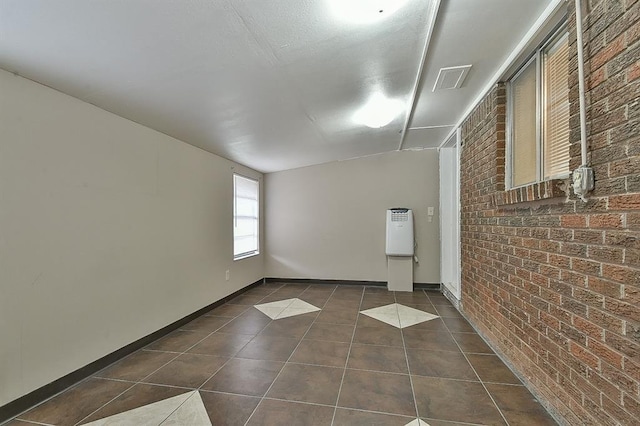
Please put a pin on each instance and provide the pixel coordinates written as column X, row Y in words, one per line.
column 430, row 211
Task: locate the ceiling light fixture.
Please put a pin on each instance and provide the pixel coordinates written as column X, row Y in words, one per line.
column 365, row 11
column 378, row 111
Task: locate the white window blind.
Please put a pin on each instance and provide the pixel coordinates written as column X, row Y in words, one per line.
column 245, row 216
column 524, row 126
column 556, row 109
column 538, row 115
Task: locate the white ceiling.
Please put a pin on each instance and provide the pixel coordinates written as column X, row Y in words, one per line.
column 269, row 84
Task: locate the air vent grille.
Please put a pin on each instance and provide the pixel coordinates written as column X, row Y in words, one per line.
column 451, row 77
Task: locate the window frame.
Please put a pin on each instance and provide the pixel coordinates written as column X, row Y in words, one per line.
column 538, row 56
column 255, row 252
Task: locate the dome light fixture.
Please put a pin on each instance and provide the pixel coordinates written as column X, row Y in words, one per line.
column 378, row 111
column 365, row 11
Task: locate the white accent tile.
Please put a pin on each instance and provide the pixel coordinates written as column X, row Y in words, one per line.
column 270, row 311
column 286, row 308
column 411, row 316
column 273, row 309
column 192, row 413
column 391, row 319
column 151, row 414
column 291, row 312
column 417, row 422
column 398, row 315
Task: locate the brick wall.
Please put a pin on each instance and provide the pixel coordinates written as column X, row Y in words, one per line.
column 554, row 285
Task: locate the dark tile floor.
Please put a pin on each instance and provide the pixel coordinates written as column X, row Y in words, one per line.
column 331, row 366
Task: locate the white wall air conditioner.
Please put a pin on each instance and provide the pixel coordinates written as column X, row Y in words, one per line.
column 399, row 232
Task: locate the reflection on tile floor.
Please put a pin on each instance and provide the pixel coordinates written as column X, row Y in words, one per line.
column 294, row 354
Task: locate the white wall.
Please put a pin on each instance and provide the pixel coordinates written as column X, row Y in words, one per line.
column 108, row 232
column 328, row 221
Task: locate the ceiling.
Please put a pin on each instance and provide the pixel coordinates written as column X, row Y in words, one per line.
column 273, row 85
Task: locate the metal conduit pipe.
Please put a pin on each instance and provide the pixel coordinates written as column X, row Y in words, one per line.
column 583, row 180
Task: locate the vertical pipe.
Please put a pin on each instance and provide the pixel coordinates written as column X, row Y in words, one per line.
column 581, row 90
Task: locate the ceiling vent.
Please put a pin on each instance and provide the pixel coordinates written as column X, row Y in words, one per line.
column 451, row 77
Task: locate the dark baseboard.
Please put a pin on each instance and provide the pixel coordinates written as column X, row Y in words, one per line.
column 418, row 286
column 427, row 286
column 323, row 281
column 39, row 395
column 45, row 392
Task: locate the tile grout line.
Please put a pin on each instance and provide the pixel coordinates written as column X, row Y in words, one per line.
column 346, row 361
column 31, row 422
column 141, row 381
column 219, row 368
column 231, row 357
column 447, row 329
column 291, row 355
column 406, row 357
column 108, row 402
column 178, row 354
column 479, row 379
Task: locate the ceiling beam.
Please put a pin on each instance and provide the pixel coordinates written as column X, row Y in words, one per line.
column 431, row 22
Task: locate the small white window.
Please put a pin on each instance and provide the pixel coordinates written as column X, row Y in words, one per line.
column 246, row 223
column 538, row 115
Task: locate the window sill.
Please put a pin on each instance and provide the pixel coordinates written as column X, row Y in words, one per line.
column 245, row 256
column 549, row 191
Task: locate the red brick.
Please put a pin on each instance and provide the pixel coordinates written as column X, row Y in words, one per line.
column 590, row 329
column 632, row 368
column 605, row 221
column 624, row 310
column 632, row 405
column 588, row 236
column 605, row 386
column 585, row 266
column 573, row 221
column 606, row 288
column 584, row 355
column 633, row 72
column 624, row 381
column 596, row 78
column 622, row 239
column 605, row 352
column 631, row 257
column 631, row 295
column 617, row 412
column 588, row 297
column 559, row 261
column 605, row 254
column 621, row 274
column 624, row 202
column 622, row 344
column 606, row 320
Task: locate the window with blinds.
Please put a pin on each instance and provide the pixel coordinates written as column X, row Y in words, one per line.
column 246, row 224
column 538, row 108
column 524, row 123
column 555, row 122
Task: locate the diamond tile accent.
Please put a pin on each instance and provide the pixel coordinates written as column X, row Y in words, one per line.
column 398, row 315
column 286, row 308
column 186, row 408
column 417, row 422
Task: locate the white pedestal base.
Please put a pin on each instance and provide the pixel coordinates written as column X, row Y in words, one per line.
column 400, row 273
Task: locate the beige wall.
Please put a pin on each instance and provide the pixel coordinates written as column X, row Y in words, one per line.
column 108, row 232
column 328, row 221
